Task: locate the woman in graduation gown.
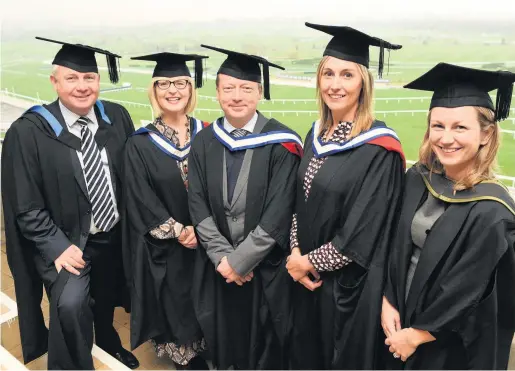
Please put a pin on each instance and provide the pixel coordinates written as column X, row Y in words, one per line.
column 349, row 186
column 160, row 242
column 449, row 301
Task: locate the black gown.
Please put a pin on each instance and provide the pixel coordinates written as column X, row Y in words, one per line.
column 41, row 171
column 246, row 326
column 353, row 203
column 462, row 289
column 159, row 272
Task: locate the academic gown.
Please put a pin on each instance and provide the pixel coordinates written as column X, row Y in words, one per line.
column 462, row 289
column 353, row 203
column 159, row 272
column 245, row 326
column 41, row 171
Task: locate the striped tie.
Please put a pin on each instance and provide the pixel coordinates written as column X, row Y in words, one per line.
column 96, row 179
column 239, row 133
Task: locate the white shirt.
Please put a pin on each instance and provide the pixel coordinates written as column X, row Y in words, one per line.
column 75, row 128
column 249, row 126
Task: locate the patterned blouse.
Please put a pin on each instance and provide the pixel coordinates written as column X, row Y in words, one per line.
column 326, row 257
column 180, row 354
column 171, row 228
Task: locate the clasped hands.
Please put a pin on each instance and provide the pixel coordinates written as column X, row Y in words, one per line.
column 187, row 237
column 402, row 342
column 299, row 266
column 230, row 275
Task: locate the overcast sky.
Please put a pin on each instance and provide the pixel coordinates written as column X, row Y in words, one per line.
column 34, row 13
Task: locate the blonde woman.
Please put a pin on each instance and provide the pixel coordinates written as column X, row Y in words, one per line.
column 349, row 186
column 449, row 300
column 160, row 246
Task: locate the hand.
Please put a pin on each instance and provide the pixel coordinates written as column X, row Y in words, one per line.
column 228, row 273
column 299, row 266
column 295, row 251
column 406, row 341
column 70, row 259
column 310, row 285
column 187, row 238
column 390, row 318
column 248, row 277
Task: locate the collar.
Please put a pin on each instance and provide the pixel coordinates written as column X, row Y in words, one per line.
column 71, row 118
column 253, row 140
column 166, row 145
column 442, row 188
column 323, row 149
column 249, row 126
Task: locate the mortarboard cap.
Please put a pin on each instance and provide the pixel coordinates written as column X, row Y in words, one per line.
column 174, row 64
column 352, row 45
column 456, row 86
column 81, row 58
column 246, row 67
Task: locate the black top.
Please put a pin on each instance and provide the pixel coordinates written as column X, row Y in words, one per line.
column 462, row 288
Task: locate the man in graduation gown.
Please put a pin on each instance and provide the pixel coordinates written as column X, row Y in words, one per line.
column 60, row 185
column 241, row 195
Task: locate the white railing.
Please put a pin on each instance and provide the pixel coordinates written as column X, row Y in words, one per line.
column 11, row 363
column 37, row 99
column 7, row 360
column 113, row 90
column 218, row 111
column 41, row 101
column 311, row 100
column 309, row 113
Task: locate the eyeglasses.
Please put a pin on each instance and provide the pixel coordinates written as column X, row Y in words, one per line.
column 165, row 84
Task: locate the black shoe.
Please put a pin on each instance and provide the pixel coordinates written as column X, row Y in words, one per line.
column 127, row 358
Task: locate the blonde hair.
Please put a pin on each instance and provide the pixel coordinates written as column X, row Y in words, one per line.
column 156, row 108
column 485, row 162
column 365, row 113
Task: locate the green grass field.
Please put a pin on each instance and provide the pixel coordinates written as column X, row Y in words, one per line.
column 26, row 74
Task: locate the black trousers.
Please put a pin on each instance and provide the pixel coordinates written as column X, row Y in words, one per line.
column 79, row 304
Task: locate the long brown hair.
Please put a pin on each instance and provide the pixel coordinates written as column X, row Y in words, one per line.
column 365, row 113
column 485, row 162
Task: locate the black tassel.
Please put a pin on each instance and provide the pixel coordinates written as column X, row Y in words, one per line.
column 388, row 63
column 113, row 68
column 266, row 80
column 503, row 99
column 199, row 71
column 381, row 60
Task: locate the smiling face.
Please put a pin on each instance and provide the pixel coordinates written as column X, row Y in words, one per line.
column 77, row 91
column 455, row 137
column 238, row 98
column 173, row 94
column 340, row 84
